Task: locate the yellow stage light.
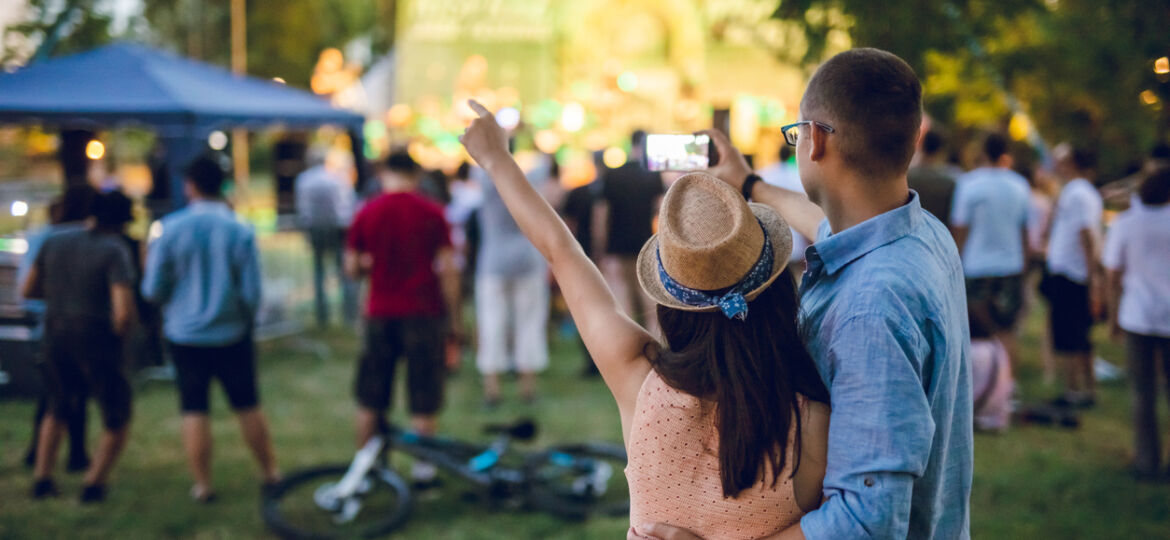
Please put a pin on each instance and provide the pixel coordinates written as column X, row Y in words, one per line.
column 1162, row 66
column 399, row 115
column 573, row 117
column 547, row 141
column 614, row 157
column 19, row 209
column 217, row 140
column 95, row 150
column 1149, row 97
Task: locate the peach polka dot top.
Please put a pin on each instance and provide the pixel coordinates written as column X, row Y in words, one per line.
column 673, row 472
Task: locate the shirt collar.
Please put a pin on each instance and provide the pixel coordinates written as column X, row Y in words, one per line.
column 208, row 206
column 840, row 249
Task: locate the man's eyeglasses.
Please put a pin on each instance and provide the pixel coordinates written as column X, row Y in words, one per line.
column 792, row 131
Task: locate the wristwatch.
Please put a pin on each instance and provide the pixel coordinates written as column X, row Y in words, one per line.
column 748, row 184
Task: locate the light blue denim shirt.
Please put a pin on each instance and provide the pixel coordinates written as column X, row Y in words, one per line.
column 884, row 314
column 205, row 273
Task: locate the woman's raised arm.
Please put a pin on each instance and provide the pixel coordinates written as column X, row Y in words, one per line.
column 614, row 340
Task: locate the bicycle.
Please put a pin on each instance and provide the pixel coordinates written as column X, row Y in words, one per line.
column 367, row 497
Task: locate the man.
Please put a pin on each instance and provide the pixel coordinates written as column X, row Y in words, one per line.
column 1075, row 275
column 783, row 174
column 882, row 309
column 1137, row 256
column 511, row 294
column 990, row 224
column 86, row 278
column 68, row 213
column 630, row 196
column 933, row 178
column 398, row 240
column 204, row 272
column 325, row 202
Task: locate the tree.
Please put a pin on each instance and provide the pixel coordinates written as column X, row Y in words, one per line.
column 1075, row 67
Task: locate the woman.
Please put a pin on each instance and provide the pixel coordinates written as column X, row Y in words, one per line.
column 726, row 424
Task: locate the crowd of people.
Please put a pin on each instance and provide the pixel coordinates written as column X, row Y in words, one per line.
column 802, row 352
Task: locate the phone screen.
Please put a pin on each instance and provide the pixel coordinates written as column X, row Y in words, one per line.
column 677, row 152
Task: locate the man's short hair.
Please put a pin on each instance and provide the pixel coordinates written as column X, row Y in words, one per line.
column 874, row 101
column 206, row 175
column 399, row 161
column 112, row 209
column 1155, row 189
column 1085, row 159
column 995, row 146
column 637, row 138
column 933, row 142
column 76, row 202
column 1160, row 151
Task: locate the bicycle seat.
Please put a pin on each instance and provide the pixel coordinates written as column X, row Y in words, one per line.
column 523, row 429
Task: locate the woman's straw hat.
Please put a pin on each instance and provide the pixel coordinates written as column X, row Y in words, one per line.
column 709, row 253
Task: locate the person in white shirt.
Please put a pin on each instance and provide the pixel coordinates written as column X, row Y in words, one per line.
column 325, row 206
column 989, row 218
column 1075, row 276
column 1137, row 259
column 783, row 174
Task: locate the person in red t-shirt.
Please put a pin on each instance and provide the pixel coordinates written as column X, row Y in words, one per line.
column 399, row 239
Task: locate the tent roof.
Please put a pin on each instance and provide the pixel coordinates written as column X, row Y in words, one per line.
column 126, row 83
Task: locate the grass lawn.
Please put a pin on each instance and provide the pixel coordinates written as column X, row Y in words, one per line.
column 1033, row 482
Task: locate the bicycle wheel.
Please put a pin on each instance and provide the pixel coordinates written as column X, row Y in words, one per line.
column 296, row 508
column 575, row 481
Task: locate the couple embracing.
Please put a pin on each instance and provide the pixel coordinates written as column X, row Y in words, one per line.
column 842, row 410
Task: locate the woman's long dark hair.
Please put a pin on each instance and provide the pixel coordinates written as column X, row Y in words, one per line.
column 752, row 370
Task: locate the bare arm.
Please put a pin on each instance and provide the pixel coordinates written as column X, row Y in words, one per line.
column 1096, row 283
column 121, row 307
column 450, row 284
column 1114, row 299
column 615, row 341
column 33, row 284
column 802, row 215
column 356, row 266
column 600, row 229
column 960, row 233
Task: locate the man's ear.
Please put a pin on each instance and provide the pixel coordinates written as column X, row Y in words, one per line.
column 818, row 139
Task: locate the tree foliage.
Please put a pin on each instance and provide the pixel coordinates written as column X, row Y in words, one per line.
column 55, row 27
column 284, row 38
column 1075, row 67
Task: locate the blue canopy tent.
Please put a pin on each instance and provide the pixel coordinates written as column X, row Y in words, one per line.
column 182, row 100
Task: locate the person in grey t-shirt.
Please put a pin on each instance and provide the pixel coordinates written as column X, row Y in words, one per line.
column 86, row 277
column 511, row 294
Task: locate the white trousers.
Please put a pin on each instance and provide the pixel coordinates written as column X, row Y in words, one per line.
column 515, row 310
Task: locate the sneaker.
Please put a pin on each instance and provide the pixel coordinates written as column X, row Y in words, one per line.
column 44, row 488
column 424, row 475
column 93, row 493
column 202, row 495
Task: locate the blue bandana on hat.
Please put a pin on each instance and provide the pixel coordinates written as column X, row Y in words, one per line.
column 732, row 301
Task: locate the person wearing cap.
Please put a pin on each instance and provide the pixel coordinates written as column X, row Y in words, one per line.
column 728, row 415
column 883, row 309
column 86, row 278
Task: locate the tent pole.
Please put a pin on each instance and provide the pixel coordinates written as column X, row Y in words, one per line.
column 239, row 31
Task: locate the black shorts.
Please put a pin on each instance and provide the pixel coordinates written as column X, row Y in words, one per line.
column 1000, row 297
column 83, row 357
column 1069, row 314
column 234, row 365
column 420, row 340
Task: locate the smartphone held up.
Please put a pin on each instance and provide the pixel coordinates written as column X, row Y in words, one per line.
column 679, row 152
